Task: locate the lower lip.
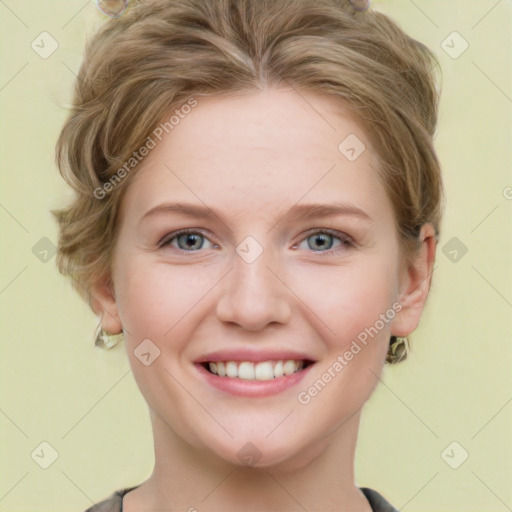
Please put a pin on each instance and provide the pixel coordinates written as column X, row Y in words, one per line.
column 252, row 388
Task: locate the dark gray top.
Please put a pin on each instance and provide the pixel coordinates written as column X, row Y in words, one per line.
column 114, row 503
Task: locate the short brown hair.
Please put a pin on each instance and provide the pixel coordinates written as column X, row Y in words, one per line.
column 161, row 53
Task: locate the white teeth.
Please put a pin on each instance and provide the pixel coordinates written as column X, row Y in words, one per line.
column 289, row 367
column 231, row 369
column 278, row 369
column 246, row 370
column 264, row 371
column 221, row 369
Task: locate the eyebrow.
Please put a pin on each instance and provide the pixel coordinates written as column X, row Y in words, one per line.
column 298, row 212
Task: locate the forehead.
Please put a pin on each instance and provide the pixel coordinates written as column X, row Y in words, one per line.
column 259, row 150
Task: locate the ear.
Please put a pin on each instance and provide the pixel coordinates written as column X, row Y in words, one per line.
column 103, row 302
column 414, row 284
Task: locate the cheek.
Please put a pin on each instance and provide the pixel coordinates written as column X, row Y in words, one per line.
column 353, row 314
column 154, row 297
column 349, row 299
column 156, row 302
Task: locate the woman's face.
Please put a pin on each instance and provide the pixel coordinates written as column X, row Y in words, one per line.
column 290, row 253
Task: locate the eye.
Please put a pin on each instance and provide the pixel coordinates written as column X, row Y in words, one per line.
column 190, row 241
column 323, row 241
column 327, row 241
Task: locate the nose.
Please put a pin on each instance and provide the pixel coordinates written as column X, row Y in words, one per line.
column 253, row 294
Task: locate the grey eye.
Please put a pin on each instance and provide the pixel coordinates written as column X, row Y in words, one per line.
column 187, row 240
column 324, row 241
column 320, row 241
column 190, row 241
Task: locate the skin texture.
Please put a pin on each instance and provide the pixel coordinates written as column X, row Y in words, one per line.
column 250, row 158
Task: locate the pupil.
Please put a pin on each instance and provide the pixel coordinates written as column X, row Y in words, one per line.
column 322, row 241
column 191, row 241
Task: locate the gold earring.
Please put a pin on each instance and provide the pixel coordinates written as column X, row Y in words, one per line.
column 105, row 340
column 398, row 350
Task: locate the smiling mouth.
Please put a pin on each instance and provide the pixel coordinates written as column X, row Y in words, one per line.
column 261, row 371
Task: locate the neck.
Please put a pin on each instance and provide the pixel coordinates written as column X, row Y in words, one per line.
column 189, row 478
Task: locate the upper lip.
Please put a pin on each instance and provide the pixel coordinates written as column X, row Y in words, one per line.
column 254, row 356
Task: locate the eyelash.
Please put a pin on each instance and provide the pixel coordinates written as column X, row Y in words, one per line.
column 346, row 241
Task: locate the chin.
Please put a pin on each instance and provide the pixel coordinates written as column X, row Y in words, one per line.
column 258, row 451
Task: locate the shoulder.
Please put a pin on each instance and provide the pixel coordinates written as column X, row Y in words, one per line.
column 377, row 501
column 114, row 503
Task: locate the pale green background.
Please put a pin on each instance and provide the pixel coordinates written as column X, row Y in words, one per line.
column 56, row 387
